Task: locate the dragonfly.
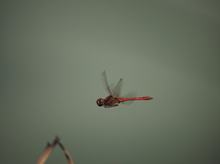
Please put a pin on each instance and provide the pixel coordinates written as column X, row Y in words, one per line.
column 113, row 99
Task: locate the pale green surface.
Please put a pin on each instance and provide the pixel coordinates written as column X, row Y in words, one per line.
column 52, row 56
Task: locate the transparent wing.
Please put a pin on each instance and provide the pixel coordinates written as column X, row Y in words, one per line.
column 106, row 85
column 116, row 91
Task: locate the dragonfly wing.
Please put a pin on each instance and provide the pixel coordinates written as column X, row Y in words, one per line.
column 105, row 81
column 117, row 89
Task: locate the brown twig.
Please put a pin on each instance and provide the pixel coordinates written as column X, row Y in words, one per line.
column 49, row 148
column 66, row 153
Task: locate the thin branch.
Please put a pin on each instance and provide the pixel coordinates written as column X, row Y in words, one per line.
column 66, row 153
column 49, row 148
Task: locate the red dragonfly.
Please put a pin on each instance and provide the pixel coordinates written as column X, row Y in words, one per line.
column 114, row 98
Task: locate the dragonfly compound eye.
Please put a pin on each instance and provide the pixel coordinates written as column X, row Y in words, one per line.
column 100, row 102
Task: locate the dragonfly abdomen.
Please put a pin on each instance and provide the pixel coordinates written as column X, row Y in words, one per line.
column 123, row 99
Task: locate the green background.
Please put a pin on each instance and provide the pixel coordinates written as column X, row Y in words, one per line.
column 52, row 55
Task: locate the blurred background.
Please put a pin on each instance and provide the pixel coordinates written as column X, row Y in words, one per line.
column 52, row 55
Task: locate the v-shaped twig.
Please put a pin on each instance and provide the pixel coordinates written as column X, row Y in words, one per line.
column 49, row 148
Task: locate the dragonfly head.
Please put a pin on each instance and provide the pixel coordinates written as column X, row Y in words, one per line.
column 100, row 102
